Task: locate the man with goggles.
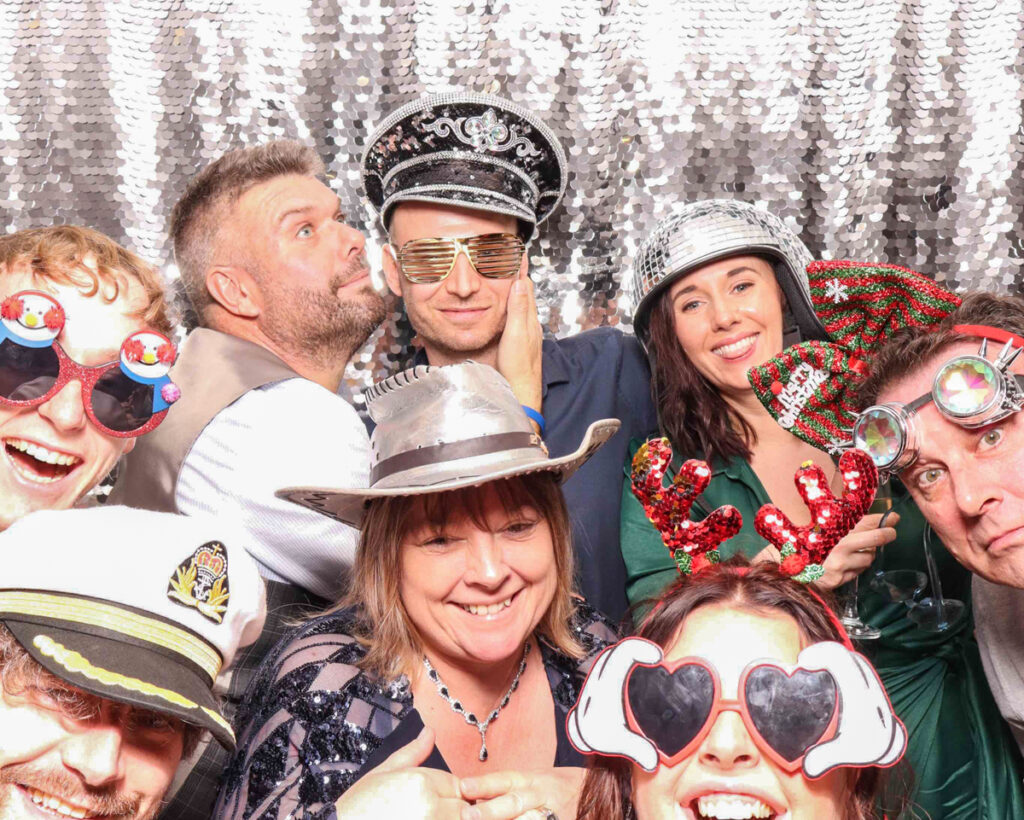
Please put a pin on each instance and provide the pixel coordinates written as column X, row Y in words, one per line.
column 945, row 416
column 84, row 355
column 461, row 182
column 968, row 390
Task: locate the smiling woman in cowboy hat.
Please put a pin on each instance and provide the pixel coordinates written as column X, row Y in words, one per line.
column 446, row 675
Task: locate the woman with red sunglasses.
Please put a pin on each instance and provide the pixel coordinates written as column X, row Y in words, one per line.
column 734, row 705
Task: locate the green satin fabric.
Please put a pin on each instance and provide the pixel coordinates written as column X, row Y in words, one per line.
column 964, row 760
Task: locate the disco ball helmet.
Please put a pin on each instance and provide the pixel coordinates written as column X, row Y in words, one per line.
column 698, row 233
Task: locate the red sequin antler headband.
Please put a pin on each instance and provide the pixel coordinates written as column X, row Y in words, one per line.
column 804, row 549
column 693, row 544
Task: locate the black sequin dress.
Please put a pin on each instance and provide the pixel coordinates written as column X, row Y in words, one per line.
column 312, row 722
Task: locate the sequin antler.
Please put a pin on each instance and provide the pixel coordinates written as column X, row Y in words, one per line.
column 804, row 549
column 693, row 544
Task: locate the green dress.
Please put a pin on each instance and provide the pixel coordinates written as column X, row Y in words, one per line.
column 965, row 762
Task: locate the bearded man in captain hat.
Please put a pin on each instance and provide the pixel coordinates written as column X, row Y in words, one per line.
column 108, row 655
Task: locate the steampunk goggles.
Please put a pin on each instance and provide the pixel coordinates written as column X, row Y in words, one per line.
column 123, row 398
column 494, row 255
column 968, row 390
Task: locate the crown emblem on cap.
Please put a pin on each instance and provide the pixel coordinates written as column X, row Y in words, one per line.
column 201, row 581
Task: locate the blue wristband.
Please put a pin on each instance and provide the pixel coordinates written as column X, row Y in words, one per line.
column 533, row 415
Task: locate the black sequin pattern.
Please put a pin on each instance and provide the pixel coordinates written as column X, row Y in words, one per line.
column 471, row 148
column 311, row 718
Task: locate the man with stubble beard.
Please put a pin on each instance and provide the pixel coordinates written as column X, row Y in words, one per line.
column 114, row 624
column 283, row 296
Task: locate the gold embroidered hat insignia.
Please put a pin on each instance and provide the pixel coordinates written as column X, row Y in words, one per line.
column 201, row 581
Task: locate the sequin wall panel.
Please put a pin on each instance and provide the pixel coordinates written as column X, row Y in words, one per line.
column 881, row 130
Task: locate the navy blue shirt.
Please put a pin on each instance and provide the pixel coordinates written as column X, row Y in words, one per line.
column 598, row 374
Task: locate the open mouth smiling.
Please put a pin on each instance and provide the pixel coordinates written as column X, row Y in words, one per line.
column 737, row 349
column 53, row 805
column 39, row 464
column 488, row 610
column 730, row 807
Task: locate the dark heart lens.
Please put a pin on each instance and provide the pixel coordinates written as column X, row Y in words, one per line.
column 671, row 709
column 790, row 713
column 27, row 373
column 120, row 403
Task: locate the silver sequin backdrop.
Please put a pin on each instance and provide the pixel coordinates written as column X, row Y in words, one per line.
column 881, row 130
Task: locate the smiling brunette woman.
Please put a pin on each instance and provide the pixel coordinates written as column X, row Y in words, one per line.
column 722, row 288
column 741, row 697
column 446, row 675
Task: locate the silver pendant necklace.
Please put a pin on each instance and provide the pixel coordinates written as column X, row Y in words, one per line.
column 459, row 709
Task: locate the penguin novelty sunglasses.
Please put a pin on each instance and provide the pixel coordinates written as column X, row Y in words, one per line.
column 123, row 398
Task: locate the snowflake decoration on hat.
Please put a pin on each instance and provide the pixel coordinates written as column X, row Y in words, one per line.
column 693, row 544
column 836, row 291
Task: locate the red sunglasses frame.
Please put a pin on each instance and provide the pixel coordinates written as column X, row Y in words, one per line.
column 70, row 371
column 720, row 705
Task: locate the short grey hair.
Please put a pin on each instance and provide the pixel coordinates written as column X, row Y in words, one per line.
column 197, row 216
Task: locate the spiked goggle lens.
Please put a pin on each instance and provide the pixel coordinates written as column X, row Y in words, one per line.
column 123, row 398
column 786, row 713
column 968, row 390
column 494, row 255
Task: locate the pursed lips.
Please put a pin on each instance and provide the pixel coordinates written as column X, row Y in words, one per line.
column 1004, row 540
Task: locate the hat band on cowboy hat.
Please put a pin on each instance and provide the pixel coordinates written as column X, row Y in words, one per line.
column 403, row 467
column 445, row 428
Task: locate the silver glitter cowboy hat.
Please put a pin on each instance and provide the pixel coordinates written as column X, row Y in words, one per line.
column 442, row 428
column 701, row 232
column 474, row 150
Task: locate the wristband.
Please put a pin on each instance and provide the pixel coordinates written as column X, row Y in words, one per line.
column 533, row 415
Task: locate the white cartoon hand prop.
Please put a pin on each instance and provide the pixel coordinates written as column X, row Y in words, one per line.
column 868, row 734
column 597, row 723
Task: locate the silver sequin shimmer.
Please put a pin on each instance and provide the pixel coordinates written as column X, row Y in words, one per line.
column 885, row 130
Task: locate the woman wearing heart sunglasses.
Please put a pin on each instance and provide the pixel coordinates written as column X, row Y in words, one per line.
column 82, row 323
column 740, row 697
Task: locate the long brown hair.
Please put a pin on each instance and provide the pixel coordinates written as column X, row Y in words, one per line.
column 691, row 410
column 759, row 588
column 383, row 625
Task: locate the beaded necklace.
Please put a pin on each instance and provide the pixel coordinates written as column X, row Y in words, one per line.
column 459, row 709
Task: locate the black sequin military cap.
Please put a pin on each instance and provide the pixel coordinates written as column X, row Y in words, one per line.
column 474, row 150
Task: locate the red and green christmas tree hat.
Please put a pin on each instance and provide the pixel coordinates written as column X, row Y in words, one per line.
column 809, row 387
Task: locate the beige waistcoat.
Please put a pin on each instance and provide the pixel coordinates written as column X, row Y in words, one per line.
column 213, row 370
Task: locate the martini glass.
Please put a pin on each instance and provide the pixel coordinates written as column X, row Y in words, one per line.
column 855, row 627
column 934, row 614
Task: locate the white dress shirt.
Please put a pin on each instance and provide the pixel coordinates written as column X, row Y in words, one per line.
column 286, row 434
column 998, row 616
